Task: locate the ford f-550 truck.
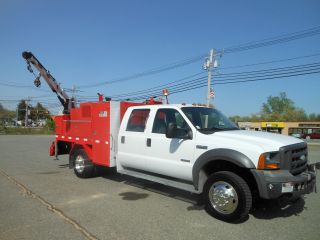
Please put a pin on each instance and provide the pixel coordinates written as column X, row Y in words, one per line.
column 189, row 147
column 200, row 150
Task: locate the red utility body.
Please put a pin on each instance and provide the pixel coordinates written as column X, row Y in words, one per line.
column 89, row 126
column 93, row 126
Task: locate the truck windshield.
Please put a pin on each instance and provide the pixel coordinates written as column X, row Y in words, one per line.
column 208, row 120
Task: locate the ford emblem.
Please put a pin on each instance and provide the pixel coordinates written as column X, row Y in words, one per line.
column 303, row 157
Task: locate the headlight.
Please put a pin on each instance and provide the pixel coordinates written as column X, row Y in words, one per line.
column 269, row 161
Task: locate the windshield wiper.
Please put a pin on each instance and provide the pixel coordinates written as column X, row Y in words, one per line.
column 214, row 129
column 211, row 129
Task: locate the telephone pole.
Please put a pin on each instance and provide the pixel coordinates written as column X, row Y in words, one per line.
column 27, row 112
column 209, row 63
column 73, row 100
column 17, row 115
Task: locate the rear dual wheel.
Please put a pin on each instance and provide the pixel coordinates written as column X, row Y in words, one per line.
column 83, row 166
column 227, row 196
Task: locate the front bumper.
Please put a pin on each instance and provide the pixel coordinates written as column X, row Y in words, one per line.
column 274, row 184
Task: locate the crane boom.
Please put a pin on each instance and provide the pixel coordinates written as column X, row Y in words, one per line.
column 63, row 97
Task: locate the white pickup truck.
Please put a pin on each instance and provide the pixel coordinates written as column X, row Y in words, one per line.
column 189, row 147
column 200, row 150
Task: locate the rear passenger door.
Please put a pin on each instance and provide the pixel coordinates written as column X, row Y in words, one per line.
column 132, row 140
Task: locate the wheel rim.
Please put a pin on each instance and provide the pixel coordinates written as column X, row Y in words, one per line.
column 223, row 197
column 79, row 164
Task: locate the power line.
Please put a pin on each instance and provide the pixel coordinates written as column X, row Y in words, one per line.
column 148, row 73
column 275, row 40
column 270, row 62
column 272, row 70
column 254, row 79
column 170, row 84
column 251, row 80
column 233, row 76
column 148, row 89
column 231, row 82
column 237, row 77
column 9, row 84
column 159, row 86
column 242, row 47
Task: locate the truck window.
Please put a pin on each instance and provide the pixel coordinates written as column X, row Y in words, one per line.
column 137, row 120
column 208, row 120
column 166, row 116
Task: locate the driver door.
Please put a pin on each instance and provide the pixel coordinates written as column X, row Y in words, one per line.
column 170, row 157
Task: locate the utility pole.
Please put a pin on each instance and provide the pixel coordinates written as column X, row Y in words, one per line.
column 17, row 115
column 73, row 98
column 27, row 113
column 37, row 122
column 209, row 63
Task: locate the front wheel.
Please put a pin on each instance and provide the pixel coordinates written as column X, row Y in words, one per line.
column 227, row 196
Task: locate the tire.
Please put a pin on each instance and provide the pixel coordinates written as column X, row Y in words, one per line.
column 83, row 167
column 235, row 189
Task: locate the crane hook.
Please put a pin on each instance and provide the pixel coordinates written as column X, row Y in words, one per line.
column 37, row 81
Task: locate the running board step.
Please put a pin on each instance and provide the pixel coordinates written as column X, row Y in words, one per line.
column 157, row 179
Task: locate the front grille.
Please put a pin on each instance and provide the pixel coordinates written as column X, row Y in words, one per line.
column 295, row 158
column 299, row 160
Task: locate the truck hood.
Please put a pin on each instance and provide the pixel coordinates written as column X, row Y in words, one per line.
column 267, row 141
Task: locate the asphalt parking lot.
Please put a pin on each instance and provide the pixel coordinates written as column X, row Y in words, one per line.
column 42, row 199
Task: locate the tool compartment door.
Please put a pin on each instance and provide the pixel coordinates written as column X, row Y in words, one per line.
column 101, row 133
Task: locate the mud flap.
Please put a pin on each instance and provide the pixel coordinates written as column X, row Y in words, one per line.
column 56, row 150
column 52, row 149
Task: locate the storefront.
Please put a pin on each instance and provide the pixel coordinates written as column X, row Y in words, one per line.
column 285, row 128
column 275, row 127
column 303, row 128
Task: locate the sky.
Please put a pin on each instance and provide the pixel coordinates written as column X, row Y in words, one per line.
column 88, row 42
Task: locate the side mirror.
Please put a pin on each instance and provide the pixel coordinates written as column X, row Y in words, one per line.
column 190, row 134
column 171, row 130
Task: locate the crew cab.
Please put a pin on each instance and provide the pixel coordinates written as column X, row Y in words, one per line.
column 193, row 148
column 201, row 150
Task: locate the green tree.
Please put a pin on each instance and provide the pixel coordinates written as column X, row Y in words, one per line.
column 21, row 110
column 39, row 112
column 50, row 124
column 5, row 114
column 281, row 108
column 279, row 104
column 313, row 117
column 236, row 119
column 278, row 108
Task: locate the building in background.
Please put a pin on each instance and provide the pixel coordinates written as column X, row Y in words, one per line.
column 297, row 129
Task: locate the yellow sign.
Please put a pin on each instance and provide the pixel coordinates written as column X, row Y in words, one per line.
column 272, row 124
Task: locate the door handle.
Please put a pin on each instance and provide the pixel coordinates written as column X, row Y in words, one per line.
column 111, row 142
column 148, row 142
column 123, row 139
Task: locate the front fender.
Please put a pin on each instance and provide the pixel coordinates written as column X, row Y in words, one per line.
column 225, row 154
